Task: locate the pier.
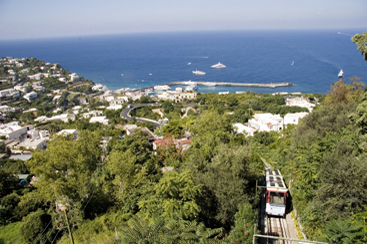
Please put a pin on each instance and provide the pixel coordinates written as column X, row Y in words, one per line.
column 210, row 83
column 204, row 83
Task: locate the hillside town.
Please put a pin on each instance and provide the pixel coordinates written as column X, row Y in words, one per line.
column 58, row 123
column 24, row 81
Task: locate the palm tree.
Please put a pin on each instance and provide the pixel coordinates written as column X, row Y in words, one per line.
column 343, row 231
column 140, row 231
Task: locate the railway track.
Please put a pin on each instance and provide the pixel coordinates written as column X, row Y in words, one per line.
column 276, row 226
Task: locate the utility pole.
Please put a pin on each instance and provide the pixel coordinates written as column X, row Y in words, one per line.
column 67, row 222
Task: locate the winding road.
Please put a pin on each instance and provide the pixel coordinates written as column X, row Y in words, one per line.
column 125, row 113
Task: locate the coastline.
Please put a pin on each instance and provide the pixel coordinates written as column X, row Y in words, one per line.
column 216, row 84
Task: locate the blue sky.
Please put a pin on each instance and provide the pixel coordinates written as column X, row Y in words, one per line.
column 22, row 19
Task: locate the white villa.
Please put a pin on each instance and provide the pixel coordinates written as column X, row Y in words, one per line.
column 9, row 93
column 13, row 130
column 294, row 118
column 118, row 100
column 266, row 122
column 177, row 95
column 300, row 102
column 243, row 129
column 30, row 96
column 66, row 132
column 6, row 108
column 99, row 119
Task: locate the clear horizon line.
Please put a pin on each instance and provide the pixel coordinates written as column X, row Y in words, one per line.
column 179, row 31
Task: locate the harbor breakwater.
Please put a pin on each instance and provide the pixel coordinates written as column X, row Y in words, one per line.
column 214, row 84
column 206, row 83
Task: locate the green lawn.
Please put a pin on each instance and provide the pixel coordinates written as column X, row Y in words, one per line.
column 10, row 233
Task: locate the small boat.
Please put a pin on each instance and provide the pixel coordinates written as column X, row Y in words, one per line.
column 292, row 63
column 122, row 74
column 198, row 72
column 341, row 73
column 150, row 73
column 188, row 63
column 218, row 66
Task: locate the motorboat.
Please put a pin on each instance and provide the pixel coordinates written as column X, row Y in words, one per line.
column 162, row 87
column 198, row 72
column 188, row 63
column 341, row 73
column 218, row 66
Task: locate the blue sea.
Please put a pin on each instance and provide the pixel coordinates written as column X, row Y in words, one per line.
column 143, row 60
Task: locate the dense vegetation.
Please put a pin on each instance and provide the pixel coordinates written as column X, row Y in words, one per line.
column 121, row 194
column 324, row 159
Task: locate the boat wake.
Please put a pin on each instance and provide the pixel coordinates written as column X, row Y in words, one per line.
column 199, row 57
column 339, row 33
column 323, row 60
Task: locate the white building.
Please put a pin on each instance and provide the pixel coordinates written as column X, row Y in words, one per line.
column 223, row 93
column 32, row 144
column 37, row 76
column 62, row 79
column 243, row 129
column 67, row 132
column 9, row 93
column 21, row 88
column 13, row 130
column 294, row 118
column 177, row 95
column 99, row 87
column 99, row 119
column 92, row 113
column 30, row 96
column 30, row 110
column 76, row 109
column 6, row 108
column 74, row 77
column 116, row 107
column 300, row 102
column 119, row 100
column 266, row 122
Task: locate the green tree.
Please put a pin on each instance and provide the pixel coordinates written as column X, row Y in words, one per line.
column 227, row 181
column 343, row 231
column 243, row 229
column 35, row 228
column 167, row 106
column 66, row 167
column 173, row 128
column 361, row 41
column 174, row 193
column 209, row 131
column 139, row 231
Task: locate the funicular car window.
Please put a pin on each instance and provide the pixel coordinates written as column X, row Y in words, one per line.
column 276, row 197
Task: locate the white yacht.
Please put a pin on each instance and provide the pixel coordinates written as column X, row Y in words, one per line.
column 198, row 72
column 162, row 87
column 218, row 66
column 341, row 73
